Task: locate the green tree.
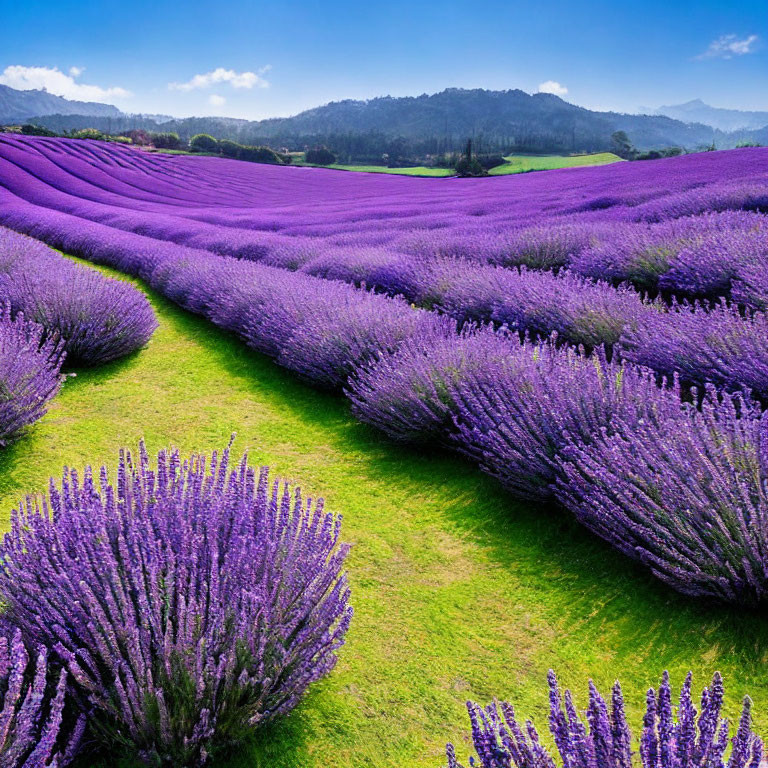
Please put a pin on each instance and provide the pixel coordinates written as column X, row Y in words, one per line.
column 622, row 146
column 320, row 156
column 203, row 142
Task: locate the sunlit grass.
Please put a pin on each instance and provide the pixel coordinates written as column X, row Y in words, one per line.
column 525, row 163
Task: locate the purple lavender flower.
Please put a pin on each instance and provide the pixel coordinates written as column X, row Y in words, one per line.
column 603, row 742
column 98, row 319
column 30, row 375
column 515, row 416
column 39, row 724
column 702, row 343
column 409, row 395
column 190, row 602
column 685, row 495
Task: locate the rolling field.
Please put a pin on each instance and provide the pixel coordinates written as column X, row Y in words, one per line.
column 525, row 163
column 490, row 380
column 459, row 591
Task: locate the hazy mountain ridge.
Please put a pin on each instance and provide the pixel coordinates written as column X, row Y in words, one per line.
column 716, row 117
column 18, row 105
column 460, row 112
column 427, row 124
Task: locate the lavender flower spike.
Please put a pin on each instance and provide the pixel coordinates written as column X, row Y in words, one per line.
column 190, row 601
column 500, row 742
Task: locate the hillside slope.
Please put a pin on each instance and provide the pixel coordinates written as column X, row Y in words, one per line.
column 18, row 105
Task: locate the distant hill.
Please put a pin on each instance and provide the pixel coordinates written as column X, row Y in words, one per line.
column 17, row 106
column 406, row 128
column 697, row 111
column 515, row 116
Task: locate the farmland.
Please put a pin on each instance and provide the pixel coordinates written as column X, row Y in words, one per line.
column 330, row 289
column 525, row 163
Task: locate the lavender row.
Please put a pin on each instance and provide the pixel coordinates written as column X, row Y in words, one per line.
column 679, row 488
column 97, row 318
column 702, row 342
column 691, row 739
column 657, row 238
column 405, row 240
column 179, row 608
column 30, row 373
column 518, row 409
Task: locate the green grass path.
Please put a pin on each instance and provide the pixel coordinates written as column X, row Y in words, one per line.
column 459, row 592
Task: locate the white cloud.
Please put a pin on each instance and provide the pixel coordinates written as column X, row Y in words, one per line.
column 728, row 46
column 221, row 75
column 215, row 100
column 552, row 86
column 57, row 82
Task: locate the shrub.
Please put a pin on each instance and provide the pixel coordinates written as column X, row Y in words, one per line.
column 29, row 129
column 229, row 148
column 118, row 139
column 190, row 603
column 29, row 373
column 605, row 741
column 165, row 140
column 410, row 395
column 139, row 137
column 98, row 318
column 695, row 256
column 87, row 133
column 687, row 496
column 490, row 161
column 320, row 156
column 580, row 311
column 703, row 344
column 469, row 167
column 202, row 142
column 337, row 337
column 515, row 415
column 38, row 727
column 259, row 155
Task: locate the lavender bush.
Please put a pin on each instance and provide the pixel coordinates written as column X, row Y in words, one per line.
column 190, row 602
column 696, row 256
column 39, row 726
column 409, row 394
column 338, row 338
column 514, row 416
column 703, row 344
column 691, row 739
column 29, row 373
column 686, row 496
column 99, row 319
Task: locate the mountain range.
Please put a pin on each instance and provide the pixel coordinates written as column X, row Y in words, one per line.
column 510, row 120
column 697, row 111
column 17, row 106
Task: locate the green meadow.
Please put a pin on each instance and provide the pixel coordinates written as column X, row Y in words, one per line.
column 459, row 591
column 525, row 163
column 514, row 164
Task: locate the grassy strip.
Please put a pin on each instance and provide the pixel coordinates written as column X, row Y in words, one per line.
column 525, row 163
column 459, row 592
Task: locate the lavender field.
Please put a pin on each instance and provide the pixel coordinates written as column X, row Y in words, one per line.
column 593, row 340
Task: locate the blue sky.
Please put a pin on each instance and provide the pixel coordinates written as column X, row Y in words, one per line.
column 264, row 59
